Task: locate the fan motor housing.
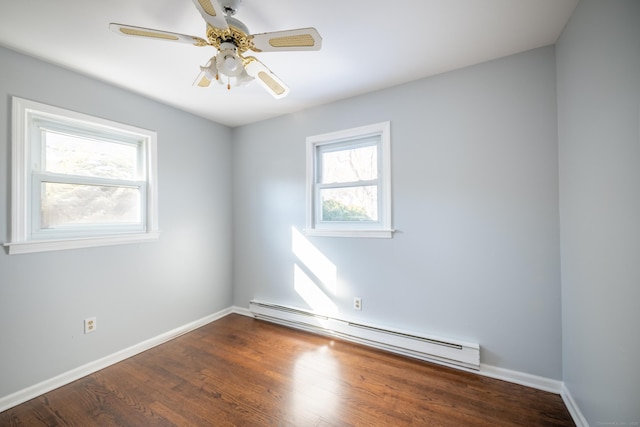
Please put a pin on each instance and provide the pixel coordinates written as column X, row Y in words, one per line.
column 236, row 34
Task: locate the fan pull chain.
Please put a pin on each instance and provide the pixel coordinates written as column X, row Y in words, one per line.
column 228, row 83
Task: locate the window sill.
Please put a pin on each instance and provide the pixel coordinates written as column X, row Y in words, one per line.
column 379, row 234
column 90, row 242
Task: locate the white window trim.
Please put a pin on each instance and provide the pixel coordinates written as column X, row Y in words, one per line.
column 22, row 110
column 384, row 229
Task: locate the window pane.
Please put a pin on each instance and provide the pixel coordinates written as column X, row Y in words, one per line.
column 75, row 155
column 350, row 204
column 72, row 204
column 349, row 165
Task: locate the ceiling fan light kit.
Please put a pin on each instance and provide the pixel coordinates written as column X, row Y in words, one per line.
column 231, row 38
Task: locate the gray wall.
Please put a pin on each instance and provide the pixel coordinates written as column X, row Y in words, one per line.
column 476, row 255
column 598, row 59
column 136, row 291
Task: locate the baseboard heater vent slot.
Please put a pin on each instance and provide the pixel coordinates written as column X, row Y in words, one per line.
column 448, row 352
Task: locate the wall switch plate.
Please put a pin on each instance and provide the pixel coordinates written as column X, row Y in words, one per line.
column 357, row 303
column 89, row 325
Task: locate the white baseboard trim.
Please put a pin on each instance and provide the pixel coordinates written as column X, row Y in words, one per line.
column 36, row 390
column 573, row 407
column 522, row 378
column 241, row 310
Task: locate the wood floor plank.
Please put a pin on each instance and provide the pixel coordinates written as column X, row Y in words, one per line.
column 240, row 371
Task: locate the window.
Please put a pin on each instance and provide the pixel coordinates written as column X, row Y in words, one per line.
column 349, row 182
column 79, row 181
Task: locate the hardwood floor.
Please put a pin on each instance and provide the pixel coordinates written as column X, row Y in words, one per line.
column 239, row 371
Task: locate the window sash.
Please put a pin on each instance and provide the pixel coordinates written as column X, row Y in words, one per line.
column 41, row 121
column 322, row 223
column 349, row 145
column 40, row 126
column 133, row 168
column 360, row 223
column 319, row 186
column 82, row 230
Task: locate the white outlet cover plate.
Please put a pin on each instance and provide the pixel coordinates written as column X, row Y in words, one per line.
column 89, row 325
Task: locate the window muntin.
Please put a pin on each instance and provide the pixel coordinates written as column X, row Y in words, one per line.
column 348, row 182
column 77, row 178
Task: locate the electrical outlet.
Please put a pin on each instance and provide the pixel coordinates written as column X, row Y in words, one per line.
column 89, row 325
column 357, row 303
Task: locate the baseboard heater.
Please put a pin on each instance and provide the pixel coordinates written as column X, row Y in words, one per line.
column 447, row 352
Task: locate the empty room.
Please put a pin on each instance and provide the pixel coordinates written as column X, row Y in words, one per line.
column 238, row 212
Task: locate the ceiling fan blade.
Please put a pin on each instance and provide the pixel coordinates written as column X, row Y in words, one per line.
column 212, row 13
column 202, row 80
column 204, row 76
column 266, row 78
column 300, row 39
column 130, row 30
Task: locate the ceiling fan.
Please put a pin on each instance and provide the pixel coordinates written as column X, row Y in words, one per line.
column 231, row 38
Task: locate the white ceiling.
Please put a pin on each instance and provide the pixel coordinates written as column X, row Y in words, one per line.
column 367, row 45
